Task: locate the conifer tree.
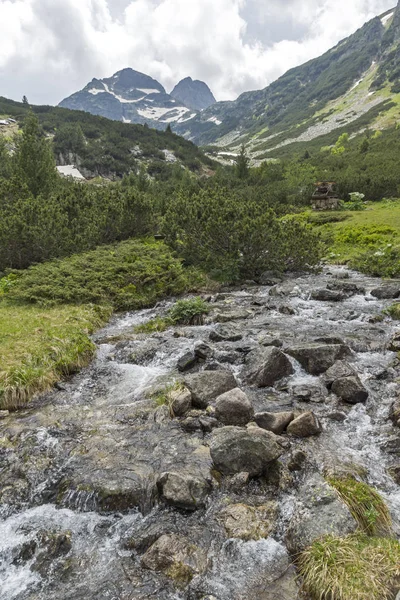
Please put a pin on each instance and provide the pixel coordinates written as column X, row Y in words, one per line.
column 33, row 160
column 242, row 163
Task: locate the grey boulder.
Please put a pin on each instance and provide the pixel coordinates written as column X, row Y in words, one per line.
column 340, row 369
column 387, row 291
column 317, row 358
column 325, row 295
column 305, row 425
column 208, row 385
column 183, row 490
column 350, row 389
column 225, row 333
column 234, row 408
column 235, row 450
column 275, row 422
column 265, row 366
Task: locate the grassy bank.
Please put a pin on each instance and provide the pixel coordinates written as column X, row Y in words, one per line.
column 368, row 240
column 48, row 311
column 40, row 346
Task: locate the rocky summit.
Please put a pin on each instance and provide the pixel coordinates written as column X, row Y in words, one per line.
column 134, row 97
column 107, row 492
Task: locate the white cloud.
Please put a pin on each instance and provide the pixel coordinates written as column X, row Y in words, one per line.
column 50, row 49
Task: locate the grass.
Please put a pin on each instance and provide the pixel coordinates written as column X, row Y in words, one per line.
column 40, row 346
column 367, row 240
column 165, row 396
column 48, row 311
column 353, row 568
column 365, row 504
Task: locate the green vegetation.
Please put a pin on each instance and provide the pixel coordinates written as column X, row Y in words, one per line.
column 183, row 312
column 365, row 504
column 165, row 396
column 40, row 346
column 368, row 241
column 126, row 276
column 353, row 568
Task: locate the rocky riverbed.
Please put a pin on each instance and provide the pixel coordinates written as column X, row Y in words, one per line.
column 105, row 495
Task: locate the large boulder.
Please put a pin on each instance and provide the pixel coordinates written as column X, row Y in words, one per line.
column 317, row 358
column 226, row 333
column 325, row 295
column 387, row 291
column 187, row 361
column 234, row 408
column 305, row 425
column 395, row 413
column 208, row 385
column 350, row 389
column 249, row 522
column 347, row 287
column 235, row 450
column 176, row 557
column 340, row 369
column 182, row 490
column 265, row 366
column 319, row 513
column 275, row 422
column 181, row 402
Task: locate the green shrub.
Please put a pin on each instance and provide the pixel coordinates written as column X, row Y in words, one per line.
column 394, row 311
column 365, row 504
column 125, row 276
column 189, row 312
column 383, row 262
column 157, row 325
column 352, row 568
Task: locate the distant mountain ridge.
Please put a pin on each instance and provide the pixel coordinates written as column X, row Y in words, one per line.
column 133, row 97
column 357, row 80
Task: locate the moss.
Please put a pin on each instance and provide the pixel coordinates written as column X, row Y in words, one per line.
column 353, row 568
column 157, row 325
column 365, row 504
column 181, row 574
column 394, row 311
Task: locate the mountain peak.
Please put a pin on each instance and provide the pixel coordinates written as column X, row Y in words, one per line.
column 193, row 93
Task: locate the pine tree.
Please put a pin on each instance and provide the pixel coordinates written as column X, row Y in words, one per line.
column 168, row 129
column 242, row 163
column 33, row 159
column 25, row 100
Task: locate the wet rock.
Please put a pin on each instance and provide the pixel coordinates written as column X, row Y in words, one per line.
column 187, row 361
column 395, row 343
column 176, row 557
column 269, row 340
column 208, row 424
column 394, row 473
column 339, row 370
column 237, row 482
column 348, row 287
column 387, row 291
column 226, row 333
column 337, row 416
column 234, row 314
column 317, row 358
column 181, row 402
column 309, row 392
column 265, row 366
column 395, row 413
column 208, row 385
column 191, row 424
column 319, row 513
column 53, row 547
column 287, row 310
column 264, row 562
column 329, row 340
column 286, row 288
column 269, row 278
column 4, row 414
column 325, row 295
column 297, row 460
column 350, row 389
column 234, row 450
column 275, row 422
column 305, row 425
column 249, row 522
column 182, row 490
column 234, row 408
column 203, row 351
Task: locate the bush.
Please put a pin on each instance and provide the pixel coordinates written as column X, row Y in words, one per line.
column 384, row 262
column 189, row 312
column 233, row 239
column 125, row 276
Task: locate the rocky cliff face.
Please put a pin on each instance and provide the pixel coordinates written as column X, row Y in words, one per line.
column 194, row 94
column 134, row 97
column 311, row 100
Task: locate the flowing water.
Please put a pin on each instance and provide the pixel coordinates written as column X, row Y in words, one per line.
column 79, row 501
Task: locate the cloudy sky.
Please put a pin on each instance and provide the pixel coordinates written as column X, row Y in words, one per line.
column 52, row 48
